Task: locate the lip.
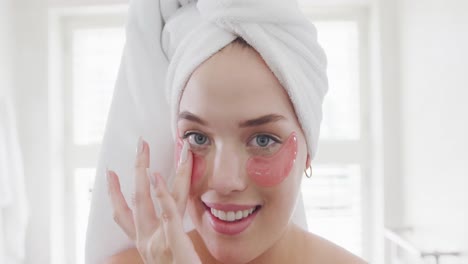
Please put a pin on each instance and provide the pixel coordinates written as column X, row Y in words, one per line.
column 230, row 228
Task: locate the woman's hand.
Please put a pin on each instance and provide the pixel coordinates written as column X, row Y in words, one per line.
column 159, row 238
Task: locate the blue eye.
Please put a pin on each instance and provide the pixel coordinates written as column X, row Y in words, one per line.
column 264, row 141
column 196, row 138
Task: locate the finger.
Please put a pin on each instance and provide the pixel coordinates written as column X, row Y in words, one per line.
column 145, row 216
column 169, row 210
column 181, row 185
column 159, row 248
column 123, row 215
column 177, row 241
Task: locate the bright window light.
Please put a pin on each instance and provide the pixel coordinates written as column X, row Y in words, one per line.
column 93, row 53
column 83, row 182
column 341, row 111
column 332, row 200
column 333, row 196
column 96, row 59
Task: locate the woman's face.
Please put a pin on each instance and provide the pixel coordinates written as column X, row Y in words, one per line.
column 249, row 154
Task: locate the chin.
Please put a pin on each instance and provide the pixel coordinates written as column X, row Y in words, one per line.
column 229, row 254
column 230, row 250
column 238, row 242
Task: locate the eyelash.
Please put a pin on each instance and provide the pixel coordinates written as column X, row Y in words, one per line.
column 273, row 140
column 188, row 134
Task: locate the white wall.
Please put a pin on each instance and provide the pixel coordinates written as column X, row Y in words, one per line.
column 30, row 77
column 385, row 101
column 67, row 3
column 388, row 81
column 5, row 46
column 323, row 3
column 434, row 68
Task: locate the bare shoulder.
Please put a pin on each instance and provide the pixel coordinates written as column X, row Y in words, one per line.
column 320, row 250
column 306, row 246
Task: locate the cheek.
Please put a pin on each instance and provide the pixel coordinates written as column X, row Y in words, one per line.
column 271, row 171
column 198, row 168
column 199, row 163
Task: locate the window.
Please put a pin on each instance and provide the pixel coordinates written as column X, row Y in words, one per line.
column 92, row 50
column 334, row 196
column 342, row 104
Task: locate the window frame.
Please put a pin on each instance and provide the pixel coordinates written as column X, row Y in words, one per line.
column 344, row 151
column 66, row 156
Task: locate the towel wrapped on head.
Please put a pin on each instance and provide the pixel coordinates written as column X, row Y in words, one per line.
column 276, row 29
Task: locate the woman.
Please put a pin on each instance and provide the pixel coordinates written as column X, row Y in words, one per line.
column 242, row 152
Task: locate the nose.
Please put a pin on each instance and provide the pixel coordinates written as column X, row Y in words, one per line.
column 228, row 174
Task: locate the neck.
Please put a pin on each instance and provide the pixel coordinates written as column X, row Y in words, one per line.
column 281, row 249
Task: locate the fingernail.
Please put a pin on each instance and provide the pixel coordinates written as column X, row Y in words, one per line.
column 140, row 145
column 184, row 153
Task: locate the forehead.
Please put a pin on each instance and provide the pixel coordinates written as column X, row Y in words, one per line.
column 235, row 83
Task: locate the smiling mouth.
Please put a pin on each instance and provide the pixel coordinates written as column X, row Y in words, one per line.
column 230, row 219
column 231, row 215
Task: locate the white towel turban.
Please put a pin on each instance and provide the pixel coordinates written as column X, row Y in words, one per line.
column 276, row 29
column 166, row 41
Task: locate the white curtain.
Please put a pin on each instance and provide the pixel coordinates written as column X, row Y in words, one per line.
column 13, row 206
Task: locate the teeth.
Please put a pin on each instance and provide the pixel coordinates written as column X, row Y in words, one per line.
column 222, row 215
column 231, row 216
column 245, row 213
column 238, row 215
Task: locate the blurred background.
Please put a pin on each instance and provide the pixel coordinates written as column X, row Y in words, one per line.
column 391, row 176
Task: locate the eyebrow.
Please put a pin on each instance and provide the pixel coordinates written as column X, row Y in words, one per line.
column 191, row 117
column 248, row 123
column 261, row 120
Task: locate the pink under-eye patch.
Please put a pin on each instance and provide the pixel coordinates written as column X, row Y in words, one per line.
column 265, row 171
column 272, row 170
